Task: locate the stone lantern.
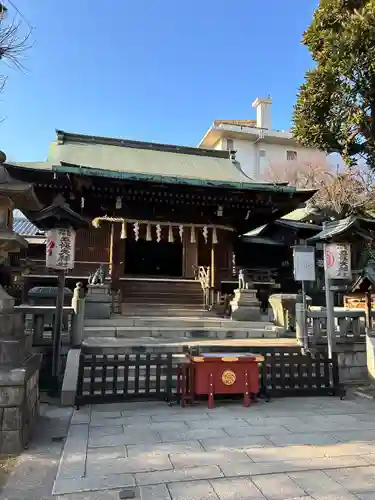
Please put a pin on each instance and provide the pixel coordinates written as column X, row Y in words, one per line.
column 19, row 367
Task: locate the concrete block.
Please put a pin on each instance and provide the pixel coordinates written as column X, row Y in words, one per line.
column 125, row 439
column 191, row 435
column 317, row 483
column 157, row 492
column 69, row 386
column 12, row 441
column 69, row 486
column 278, row 487
column 12, row 418
column 236, row 489
column 11, row 396
column 131, row 465
column 180, row 461
column 355, row 480
column 239, row 443
column 176, row 475
column 192, row 491
column 184, row 447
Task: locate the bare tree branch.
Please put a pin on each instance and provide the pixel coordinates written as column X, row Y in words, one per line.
column 15, row 39
column 339, row 193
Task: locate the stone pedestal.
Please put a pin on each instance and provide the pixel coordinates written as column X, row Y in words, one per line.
column 98, row 302
column 245, row 305
column 284, row 309
column 19, row 378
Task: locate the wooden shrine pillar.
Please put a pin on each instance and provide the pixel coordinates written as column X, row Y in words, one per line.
column 190, row 254
column 116, row 250
column 221, row 259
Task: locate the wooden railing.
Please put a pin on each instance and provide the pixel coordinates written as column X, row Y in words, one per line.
column 349, row 325
column 37, row 267
column 102, row 373
column 203, row 275
column 39, row 321
column 258, row 275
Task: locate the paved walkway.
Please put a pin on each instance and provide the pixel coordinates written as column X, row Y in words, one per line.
column 300, row 449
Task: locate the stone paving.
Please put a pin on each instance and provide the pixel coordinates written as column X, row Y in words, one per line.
column 288, row 449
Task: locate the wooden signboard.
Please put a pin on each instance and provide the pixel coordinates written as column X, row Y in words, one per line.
column 357, row 301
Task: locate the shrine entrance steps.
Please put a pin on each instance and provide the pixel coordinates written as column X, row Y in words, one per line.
column 198, row 327
column 161, row 297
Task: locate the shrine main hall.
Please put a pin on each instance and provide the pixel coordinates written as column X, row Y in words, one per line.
column 155, row 211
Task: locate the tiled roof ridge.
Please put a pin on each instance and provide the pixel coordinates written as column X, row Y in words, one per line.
column 63, row 137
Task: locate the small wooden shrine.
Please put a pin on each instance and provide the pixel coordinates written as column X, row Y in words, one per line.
column 156, row 210
column 359, row 231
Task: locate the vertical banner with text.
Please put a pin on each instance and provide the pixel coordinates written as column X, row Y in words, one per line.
column 60, row 248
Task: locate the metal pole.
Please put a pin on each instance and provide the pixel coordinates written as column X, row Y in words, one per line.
column 329, row 305
column 304, row 305
column 56, row 338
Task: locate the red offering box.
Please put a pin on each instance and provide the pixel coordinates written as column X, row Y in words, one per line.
column 225, row 374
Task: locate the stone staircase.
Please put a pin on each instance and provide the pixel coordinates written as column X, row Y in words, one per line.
column 171, row 310
column 161, row 298
column 179, row 328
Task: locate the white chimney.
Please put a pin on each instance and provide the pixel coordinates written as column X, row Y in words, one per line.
column 264, row 112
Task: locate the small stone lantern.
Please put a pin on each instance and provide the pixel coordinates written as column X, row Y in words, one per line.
column 19, row 367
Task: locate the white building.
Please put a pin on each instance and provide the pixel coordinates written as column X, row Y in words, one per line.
column 257, row 145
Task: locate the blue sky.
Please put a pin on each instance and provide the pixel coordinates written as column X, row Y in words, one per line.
column 151, row 70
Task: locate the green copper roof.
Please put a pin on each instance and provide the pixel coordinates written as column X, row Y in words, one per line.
column 166, row 179
column 145, row 161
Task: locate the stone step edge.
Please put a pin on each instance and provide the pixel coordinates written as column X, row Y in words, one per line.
column 176, row 329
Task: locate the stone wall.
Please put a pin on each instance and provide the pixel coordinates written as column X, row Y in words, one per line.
column 352, row 362
column 19, row 405
column 19, row 379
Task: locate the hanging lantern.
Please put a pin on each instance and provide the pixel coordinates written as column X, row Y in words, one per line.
column 148, row 233
column 123, row 230
column 136, row 231
column 205, row 233
column 181, row 231
column 170, row 234
column 158, row 233
column 192, row 235
column 118, row 203
column 214, row 236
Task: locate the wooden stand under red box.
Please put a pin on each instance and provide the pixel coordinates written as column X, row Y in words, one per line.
column 212, row 373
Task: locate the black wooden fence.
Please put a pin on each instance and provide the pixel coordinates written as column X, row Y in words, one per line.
column 285, row 372
column 107, row 378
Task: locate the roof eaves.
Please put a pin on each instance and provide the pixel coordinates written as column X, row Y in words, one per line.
column 165, row 179
column 205, row 136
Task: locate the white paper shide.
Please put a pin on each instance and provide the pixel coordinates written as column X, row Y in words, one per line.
column 60, row 248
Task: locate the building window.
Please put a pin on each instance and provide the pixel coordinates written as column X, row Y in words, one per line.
column 262, row 153
column 230, row 144
column 291, row 155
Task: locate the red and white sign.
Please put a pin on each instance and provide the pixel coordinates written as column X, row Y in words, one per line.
column 337, row 261
column 60, row 248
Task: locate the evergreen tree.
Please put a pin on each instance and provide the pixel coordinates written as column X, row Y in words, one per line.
column 335, row 109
